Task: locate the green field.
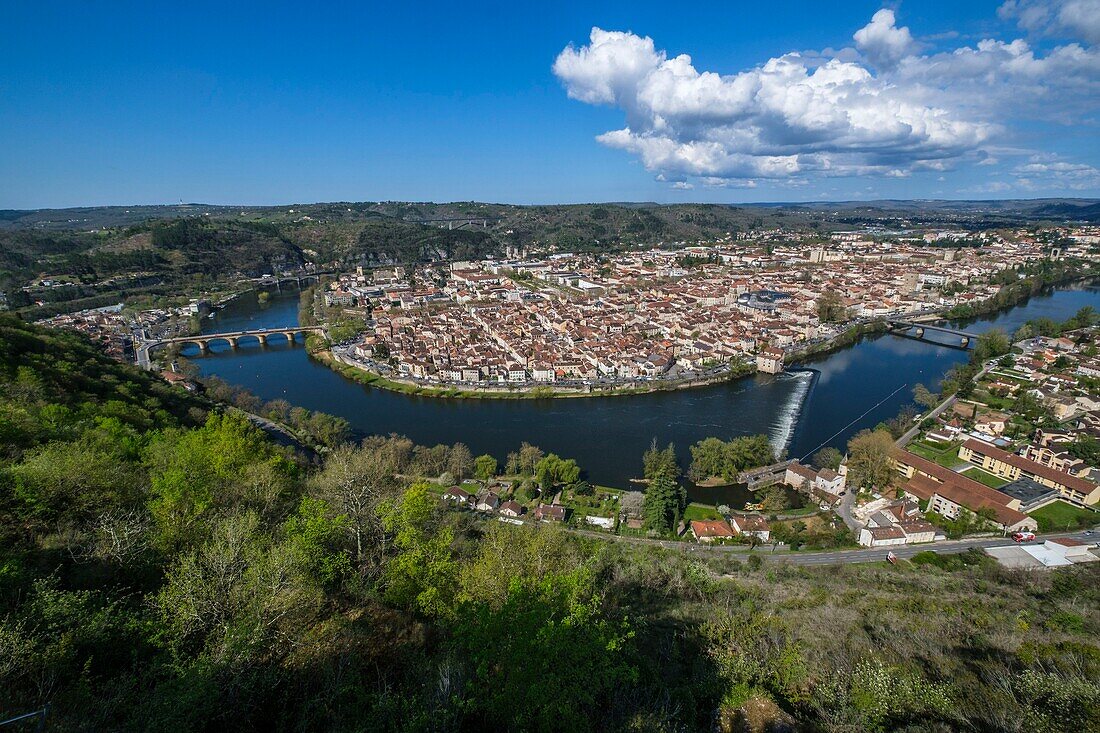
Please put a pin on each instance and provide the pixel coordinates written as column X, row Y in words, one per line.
column 985, row 477
column 1060, row 517
column 946, row 456
column 700, row 512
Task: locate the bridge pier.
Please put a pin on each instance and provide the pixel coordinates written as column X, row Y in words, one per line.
column 202, row 341
column 918, row 330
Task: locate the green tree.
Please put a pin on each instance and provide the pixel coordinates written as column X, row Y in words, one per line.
column 828, row 457
column 870, row 462
column 553, row 469
column 991, row 344
column 664, row 503
column 460, row 462
column 225, row 461
column 355, row 481
column 318, row 536
column 75, row 481
column 1044, row 326
column 708, row 458
column 547, row 658
column 237, row 595
column 714, row 457
column 655, row 461
column 830, row 307
column 529, row 456
column 423, row 575
column 924, row 397
column 485, row 467
column 1087, row 448
column 1083, row 318
column 774, row 498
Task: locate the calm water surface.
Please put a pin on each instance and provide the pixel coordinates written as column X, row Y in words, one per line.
column 835, row 397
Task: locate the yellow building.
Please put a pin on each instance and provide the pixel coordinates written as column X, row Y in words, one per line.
column 770, row 360
column 1010, row 466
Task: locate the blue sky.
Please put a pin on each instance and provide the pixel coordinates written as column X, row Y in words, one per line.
column 128, row 103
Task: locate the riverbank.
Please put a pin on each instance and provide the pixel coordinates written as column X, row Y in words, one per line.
column 355, row 371
column 349, row 368
column 846, row 338
column 1018, row 293
column 608, row 437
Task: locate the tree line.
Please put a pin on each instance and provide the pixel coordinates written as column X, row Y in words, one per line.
column 164, row 566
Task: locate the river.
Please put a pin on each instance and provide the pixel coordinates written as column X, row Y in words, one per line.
column 838, row 395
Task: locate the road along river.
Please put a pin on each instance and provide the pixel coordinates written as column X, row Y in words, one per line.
column 827, row 402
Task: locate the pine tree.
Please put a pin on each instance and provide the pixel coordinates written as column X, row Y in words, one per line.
column 664, row 502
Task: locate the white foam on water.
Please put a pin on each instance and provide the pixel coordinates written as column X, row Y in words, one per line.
column 787, row 415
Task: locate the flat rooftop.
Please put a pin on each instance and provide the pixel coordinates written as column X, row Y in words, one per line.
column 1026, row 490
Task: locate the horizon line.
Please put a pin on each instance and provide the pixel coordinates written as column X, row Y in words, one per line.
column 822, row 202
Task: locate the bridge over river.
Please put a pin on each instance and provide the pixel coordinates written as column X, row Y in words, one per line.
column 917, row 330
column 143, row 349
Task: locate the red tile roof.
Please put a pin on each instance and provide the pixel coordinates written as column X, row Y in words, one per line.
column 893, row 532
column 1029, row 466
column 710, row 528
column 751, row 523
column 934, row 478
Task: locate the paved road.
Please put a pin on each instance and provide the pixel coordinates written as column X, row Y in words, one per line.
column 839, row 557
column 276, row 431
column 951, row 547
column 844, row 510
column 913, row 431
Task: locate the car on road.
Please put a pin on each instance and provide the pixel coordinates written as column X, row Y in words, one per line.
column 1023, row 536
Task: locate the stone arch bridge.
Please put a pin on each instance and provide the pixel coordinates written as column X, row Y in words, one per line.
column 916, row 330
column 233, row 338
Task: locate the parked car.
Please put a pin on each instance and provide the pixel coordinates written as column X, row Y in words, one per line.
column 1023, row 536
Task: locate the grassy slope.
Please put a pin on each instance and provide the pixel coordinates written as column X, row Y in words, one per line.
column 1060, row 516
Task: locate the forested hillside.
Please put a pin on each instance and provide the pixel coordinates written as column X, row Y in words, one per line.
column 165, row 567
column 96, row 256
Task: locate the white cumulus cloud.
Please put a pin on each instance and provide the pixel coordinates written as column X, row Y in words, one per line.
column 1067, row 18
column 1057, row 174
column 883, row 42
column 884, row 109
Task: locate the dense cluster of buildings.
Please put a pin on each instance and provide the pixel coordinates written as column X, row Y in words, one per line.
column 106, row 326
column 116, row 328
column 657, row 314
column 1004, row 471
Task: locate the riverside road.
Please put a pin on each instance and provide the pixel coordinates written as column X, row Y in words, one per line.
column 844, row 557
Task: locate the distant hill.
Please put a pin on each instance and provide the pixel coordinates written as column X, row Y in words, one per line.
column 161, row 246
column 706, row 216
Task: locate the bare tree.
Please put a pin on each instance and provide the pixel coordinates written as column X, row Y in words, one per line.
column 355, row 481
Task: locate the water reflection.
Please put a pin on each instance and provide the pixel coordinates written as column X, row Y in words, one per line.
column 608, row 435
